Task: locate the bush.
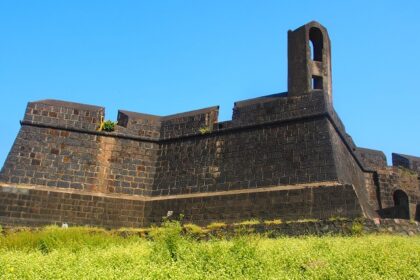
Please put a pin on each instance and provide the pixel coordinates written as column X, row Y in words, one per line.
column 53, row 238
column 356, row 228
column 166, row 239
column 108, row 125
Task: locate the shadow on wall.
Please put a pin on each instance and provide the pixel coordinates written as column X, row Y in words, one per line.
column 418, row 212
column 401, row 208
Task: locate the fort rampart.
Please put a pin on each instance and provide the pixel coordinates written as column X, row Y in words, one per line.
column 282, row 156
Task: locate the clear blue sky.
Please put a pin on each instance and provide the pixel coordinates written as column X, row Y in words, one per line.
column 164, row 57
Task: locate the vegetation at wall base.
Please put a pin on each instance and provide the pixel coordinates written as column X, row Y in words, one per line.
column 169, row 252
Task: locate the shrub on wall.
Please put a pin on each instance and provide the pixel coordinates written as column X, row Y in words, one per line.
column 107, row 126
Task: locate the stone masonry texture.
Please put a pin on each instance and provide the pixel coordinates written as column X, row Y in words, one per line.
column 285, row 156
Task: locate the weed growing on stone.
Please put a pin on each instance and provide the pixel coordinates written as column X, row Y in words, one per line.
column 204, row 130
column 273, row 222
column 216, row 226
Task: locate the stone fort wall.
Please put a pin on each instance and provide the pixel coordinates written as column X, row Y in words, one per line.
column 284, row 156
column 270, row 142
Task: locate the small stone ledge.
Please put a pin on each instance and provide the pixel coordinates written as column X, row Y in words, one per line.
column 26, row 189
column 339, row 226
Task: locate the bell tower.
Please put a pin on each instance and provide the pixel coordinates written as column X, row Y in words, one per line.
column 309, row 60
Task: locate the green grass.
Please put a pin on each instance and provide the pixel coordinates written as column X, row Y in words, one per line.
column 91, row 253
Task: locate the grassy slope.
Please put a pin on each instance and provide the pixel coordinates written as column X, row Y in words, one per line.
column 79, row 253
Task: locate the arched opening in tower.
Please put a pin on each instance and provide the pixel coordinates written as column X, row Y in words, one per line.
column 401, row 206
column 316, row 43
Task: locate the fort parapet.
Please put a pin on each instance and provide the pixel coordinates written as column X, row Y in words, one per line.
column 282, row 156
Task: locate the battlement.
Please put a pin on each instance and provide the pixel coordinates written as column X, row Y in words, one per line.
column 372, row 159
column 64, row 114
column 257, row 111
column 406, row 161
column 137, row 124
